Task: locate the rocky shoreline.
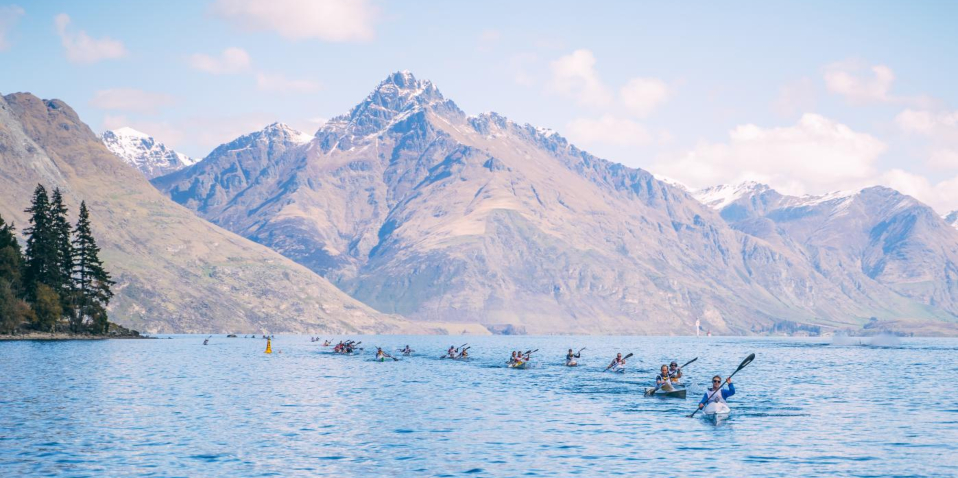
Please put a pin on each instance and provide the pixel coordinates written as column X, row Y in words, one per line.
column 115, row 332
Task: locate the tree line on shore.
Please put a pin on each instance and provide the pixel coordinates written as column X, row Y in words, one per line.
column 58, row 282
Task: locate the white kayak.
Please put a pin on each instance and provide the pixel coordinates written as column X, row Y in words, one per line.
column 716, row 411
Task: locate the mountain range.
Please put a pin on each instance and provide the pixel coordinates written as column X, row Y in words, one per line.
column 174, row 271
column 415, row 208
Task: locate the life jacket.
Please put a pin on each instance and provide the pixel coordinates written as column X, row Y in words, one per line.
column 715, row 397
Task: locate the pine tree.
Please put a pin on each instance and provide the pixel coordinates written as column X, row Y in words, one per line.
column 92, row 281
column 60, row 227
column 11, row 258
column 42, row 264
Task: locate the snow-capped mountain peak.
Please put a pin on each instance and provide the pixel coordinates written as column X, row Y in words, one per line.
column 283, row 130
column 141, row 151
column 397, row 97
column 717, row 197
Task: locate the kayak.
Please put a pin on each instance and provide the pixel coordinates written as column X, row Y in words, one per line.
column 674, row 393
column 716, row 411
column 522, row 365
column 572, row 364
column 617, row 369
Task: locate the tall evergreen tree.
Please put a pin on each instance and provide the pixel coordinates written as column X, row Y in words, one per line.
column 60, row 226
column 92, row 281
column 11, row 258
column 42, row 264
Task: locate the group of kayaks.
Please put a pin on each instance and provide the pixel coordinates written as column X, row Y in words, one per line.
column 668, row 383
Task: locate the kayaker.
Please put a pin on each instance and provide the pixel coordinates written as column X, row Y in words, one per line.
column 464, row 353
column 406, row 351
column 451, row 353
column 513, row 358
column 380, row 355
column 717, row 393
column 663, row 380
column 617, row 362
column 675, row 373
column 570, row 358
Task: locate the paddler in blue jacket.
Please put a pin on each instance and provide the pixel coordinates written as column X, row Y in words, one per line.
column 716, row 393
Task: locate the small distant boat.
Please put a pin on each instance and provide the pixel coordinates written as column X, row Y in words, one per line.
column 231, row 336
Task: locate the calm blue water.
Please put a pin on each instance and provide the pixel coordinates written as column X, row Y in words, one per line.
column 177, row 408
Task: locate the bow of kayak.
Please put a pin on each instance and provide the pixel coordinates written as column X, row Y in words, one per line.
column 716, row 412
column 675, row 392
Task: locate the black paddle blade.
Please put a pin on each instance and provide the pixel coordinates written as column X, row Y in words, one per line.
column 745, row 362
column 627, row 356
column 690, row 361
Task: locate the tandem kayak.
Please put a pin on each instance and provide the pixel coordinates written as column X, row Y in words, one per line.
column 716, row 411
column 675, row 392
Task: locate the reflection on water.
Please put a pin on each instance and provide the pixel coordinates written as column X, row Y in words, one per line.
column 804, row 407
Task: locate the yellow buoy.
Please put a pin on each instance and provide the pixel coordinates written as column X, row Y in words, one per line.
column 269, row 348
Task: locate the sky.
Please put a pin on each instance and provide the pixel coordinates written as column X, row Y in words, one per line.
column 809, row 97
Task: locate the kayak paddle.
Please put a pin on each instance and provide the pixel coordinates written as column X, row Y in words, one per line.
column 623, row 358
column 745, row 362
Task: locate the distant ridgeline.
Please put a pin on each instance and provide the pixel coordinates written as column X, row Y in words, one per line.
column 58, row 283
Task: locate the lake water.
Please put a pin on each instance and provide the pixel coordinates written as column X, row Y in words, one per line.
column 174, row 407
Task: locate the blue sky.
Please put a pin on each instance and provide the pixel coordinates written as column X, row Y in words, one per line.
column 808, row 96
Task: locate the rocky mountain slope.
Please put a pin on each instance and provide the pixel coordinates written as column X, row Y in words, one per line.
column 876, row 239
column 175, row 272
column 414, row 207
column 142, row 152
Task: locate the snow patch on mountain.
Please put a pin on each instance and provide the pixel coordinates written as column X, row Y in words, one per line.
column 143, row 152
column 718, row 197
column 952, row 219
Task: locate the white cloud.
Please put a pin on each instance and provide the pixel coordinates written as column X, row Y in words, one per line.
column 329, row 20
column 858, row 83
column 861, row 84
column 131, row 100
column 815, row 155
column 643, row 95
column 944, row 159
column 488, row 40
column 230, row 61
column 81, row 48
column 279, row 83
column 941, row 196
column 9, row 16
column 795, row 98
column 608, row 130
column 941, row 125
column 574, row 76
column 940, row 128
